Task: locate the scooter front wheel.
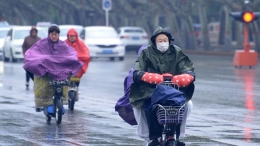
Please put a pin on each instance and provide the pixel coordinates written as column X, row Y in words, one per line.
column 58, row 109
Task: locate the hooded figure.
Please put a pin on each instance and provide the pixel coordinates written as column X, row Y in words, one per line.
column 80, row 48
column 160, row 57
column 28, row 42
column 54, row 57
column 170, row 60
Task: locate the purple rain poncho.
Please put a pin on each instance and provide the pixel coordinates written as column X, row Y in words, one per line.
column 123, row 106
column 57, row 59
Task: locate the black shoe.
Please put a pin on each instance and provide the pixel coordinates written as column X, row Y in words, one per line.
column 27, row 86
column 179, row 143
column 155, row 142
column 38, row 109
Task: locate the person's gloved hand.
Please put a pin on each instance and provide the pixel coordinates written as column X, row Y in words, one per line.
column 183, row 80
column 152, row 78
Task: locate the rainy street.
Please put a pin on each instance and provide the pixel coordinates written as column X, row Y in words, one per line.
column 225, row 111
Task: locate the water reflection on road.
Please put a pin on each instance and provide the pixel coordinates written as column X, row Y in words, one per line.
column 249, row 76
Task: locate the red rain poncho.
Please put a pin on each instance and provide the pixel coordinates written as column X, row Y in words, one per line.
column 81, row 49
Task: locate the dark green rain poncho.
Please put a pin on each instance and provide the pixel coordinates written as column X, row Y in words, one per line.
column 173, row 61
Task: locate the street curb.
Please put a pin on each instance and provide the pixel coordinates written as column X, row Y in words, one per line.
column 209, row 52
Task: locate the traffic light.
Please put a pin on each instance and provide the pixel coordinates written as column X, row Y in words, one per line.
column 245, row 57
column 245, row 17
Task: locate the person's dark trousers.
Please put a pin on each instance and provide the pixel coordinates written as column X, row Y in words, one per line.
column 155, row 129
column 28, row 76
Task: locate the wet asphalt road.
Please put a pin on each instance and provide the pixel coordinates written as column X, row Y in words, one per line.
column 225, row 112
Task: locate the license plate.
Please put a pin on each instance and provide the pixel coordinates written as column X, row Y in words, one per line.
column 107, row 51
column 135, row 38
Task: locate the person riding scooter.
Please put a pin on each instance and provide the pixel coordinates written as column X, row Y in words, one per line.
column 160, row 57
column 82, row 50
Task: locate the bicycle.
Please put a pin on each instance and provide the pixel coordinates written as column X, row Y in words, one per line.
column 72, row 92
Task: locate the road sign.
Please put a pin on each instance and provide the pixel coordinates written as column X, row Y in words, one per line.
column 107, row 5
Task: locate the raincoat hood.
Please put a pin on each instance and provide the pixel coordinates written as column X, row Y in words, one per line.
column 72, row 31
column 160, row 30
column 33, row 29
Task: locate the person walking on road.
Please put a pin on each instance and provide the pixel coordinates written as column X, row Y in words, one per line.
column 28, row 42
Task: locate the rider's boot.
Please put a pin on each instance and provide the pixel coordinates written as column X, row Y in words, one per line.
column 178, row 131
column 38, row 109
column 155, row 142
column 27, row 85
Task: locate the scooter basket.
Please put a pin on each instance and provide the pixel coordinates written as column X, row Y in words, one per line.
column 170, row 114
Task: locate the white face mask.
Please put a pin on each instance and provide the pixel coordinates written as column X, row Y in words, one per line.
column 162, row 47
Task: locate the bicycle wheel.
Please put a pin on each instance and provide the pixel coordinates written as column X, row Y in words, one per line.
column 72, row 98
column 58, row 115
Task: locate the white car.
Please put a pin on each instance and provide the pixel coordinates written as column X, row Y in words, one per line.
column 4, row 24
column 133, row 37
column 44, row 25
column 3, row 33
column 12, row 49
column 103, row 41
column 65, row 28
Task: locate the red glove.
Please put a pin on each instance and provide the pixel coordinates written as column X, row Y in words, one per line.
column 152, row 78
column 183, row 80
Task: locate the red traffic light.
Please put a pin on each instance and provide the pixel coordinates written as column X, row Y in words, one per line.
column 248, row 17
column 245, row 17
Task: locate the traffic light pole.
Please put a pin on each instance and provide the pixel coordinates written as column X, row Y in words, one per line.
column 245, row 57
column 246, row 41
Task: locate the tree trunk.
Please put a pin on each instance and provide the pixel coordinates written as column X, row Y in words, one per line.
column 174, row 30
column 256, row 36
column 221, row 39
column 240, row 35
column 18, row 13
column 204, row 28
column 192, row 38
column 228, row 35
column 185, row 34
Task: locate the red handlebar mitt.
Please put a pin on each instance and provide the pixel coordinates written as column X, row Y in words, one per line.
column 152, row 78
column 183, row 80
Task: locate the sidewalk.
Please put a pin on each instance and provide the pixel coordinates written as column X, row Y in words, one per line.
column 216, row 50
column 210, row 52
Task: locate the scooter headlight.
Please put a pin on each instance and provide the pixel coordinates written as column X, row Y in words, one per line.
column 58, row 90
